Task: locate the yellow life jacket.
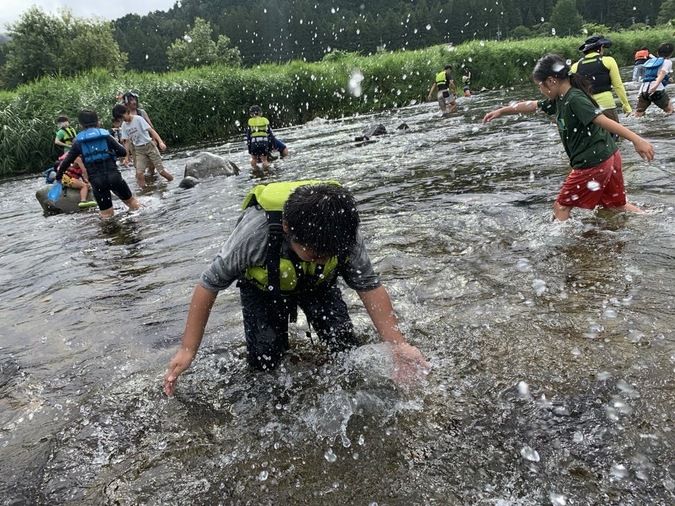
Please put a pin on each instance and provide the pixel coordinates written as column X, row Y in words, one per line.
column 280, row 274
column 442, row 80
column 259, row 126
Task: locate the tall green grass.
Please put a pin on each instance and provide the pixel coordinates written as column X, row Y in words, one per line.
column 211, row 103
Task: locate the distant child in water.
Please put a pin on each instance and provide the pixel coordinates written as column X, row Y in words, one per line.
column 596, row 178
column 139, row 134
column 259, row 138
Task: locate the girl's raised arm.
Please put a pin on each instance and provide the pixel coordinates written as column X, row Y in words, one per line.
column 525, row 107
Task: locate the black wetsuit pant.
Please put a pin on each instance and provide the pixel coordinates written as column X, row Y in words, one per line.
column 266, row 321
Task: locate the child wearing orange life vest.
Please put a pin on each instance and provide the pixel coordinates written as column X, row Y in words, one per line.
column 640, row 57
column 75, row 177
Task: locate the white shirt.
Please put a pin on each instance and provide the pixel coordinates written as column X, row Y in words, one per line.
column 136, row 131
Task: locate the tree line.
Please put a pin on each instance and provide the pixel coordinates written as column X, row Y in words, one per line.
column 202, row 32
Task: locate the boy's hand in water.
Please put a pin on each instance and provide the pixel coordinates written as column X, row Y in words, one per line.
column 492, row 115
column 409, row 363
column 644, row 149
column 180, row 361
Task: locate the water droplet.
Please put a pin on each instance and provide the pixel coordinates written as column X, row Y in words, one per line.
column 523, row 265
column 529, row 454
column 594, row 186
column 523, row 389
column 428, row 27
column 578, row 437
column 557, row 499
column 263, row 475
column 539, row 286
column 330, row 455
column 618, row 471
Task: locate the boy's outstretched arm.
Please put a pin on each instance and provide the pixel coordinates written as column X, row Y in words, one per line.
column 198, row 315
column 526, row 107
column 643, row 148
column 432, row 90
column 407, row 359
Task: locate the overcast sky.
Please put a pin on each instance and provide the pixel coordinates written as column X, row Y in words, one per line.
column 11, row 10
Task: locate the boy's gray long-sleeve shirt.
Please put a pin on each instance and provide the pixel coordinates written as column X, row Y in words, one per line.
column 247, row 247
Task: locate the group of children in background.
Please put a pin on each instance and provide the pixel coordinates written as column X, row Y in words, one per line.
column 586, row 87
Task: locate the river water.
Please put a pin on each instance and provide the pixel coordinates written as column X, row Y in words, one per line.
column 552, row 344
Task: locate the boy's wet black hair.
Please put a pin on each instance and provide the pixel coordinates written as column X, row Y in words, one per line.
column 665, row 50
column 323, row 218
column 119, row 111
column 61, row 119
column 255, row 109
column 553, row 65
column 447, row 67
column 87, row 118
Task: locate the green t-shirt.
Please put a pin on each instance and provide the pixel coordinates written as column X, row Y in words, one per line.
column 586, row 143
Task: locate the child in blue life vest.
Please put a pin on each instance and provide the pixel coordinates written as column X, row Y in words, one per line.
column 65, row 135
column 286, row 251
column 656, row 76
column 596, row 178
column 98, row 151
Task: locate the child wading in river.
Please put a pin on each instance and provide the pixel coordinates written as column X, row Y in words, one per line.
column 596, row 178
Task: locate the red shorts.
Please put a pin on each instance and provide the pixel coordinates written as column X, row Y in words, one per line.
column 601, row 185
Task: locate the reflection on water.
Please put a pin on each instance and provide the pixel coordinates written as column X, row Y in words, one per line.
column 552, row 344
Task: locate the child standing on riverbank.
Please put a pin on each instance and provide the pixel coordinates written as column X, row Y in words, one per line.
column 65, row 135
column 596, row 178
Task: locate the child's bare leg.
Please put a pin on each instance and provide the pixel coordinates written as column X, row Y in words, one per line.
column 80, row 185
column 166, row 175
column 628, row 207
column 140, row 178
column 132, row 203
column 108, row 213
column 265, row 162
column 560, row 212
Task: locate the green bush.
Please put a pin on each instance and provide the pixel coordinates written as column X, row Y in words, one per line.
column 211, row 103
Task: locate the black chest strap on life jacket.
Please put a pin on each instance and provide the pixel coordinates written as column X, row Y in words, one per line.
column 275, row 239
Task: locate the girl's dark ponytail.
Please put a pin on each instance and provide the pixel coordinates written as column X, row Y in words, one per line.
column 582, row 83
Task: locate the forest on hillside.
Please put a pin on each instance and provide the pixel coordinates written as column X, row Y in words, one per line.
column 197, row 33
column 282, row 30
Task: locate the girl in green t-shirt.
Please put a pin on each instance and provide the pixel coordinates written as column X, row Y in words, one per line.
column 596, row 178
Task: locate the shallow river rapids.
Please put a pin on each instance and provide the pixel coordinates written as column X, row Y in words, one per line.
column 552, row 345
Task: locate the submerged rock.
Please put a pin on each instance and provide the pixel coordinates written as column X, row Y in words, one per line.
column 206, row 165
column 67, row 203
